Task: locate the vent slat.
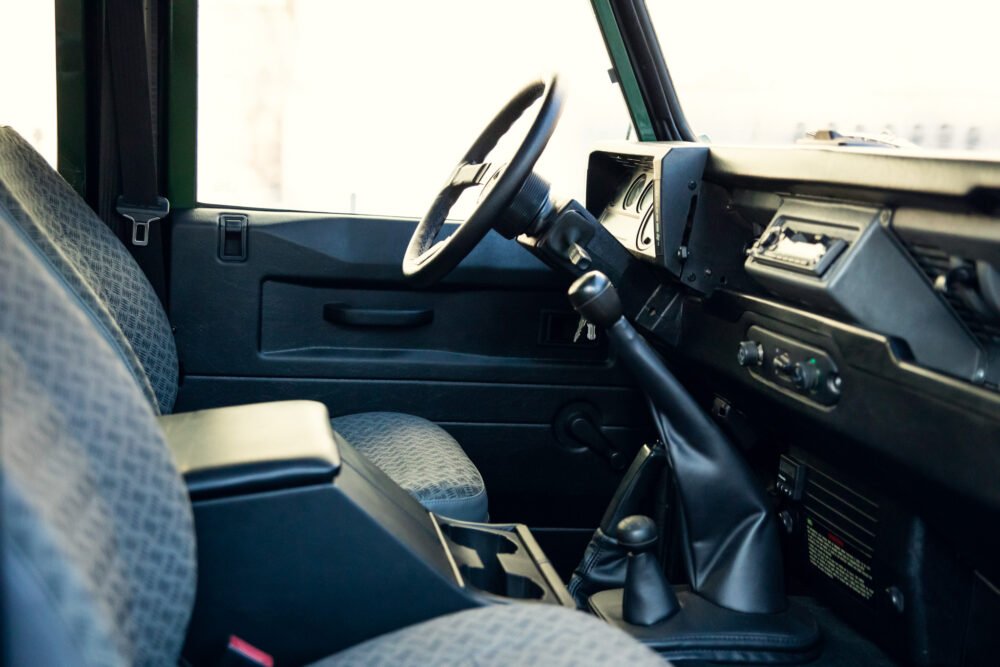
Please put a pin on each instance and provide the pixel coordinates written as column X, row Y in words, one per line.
column 634, row 161
column 935, row 262
column 851, row 515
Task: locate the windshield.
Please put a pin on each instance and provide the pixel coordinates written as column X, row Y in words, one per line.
column 771, row 71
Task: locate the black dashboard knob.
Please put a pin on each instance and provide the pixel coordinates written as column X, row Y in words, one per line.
column 805, row 376
column 750, row 353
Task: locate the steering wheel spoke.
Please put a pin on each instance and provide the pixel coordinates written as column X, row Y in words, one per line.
column 468, row 174
column 427, row 260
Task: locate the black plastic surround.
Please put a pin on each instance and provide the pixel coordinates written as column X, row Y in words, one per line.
column 300, row 534
column 842, row 260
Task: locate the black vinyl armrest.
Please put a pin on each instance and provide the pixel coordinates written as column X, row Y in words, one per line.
column 253, row 448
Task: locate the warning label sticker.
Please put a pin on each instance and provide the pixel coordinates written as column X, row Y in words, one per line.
column 838, row 560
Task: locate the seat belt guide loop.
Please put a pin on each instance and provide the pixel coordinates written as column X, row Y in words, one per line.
column 142, row 217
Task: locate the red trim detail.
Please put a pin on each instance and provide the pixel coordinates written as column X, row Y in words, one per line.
column 250, row 652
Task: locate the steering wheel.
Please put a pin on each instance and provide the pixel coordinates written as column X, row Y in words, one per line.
column 427, row 261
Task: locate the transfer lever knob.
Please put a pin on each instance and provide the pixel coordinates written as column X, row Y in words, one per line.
column 596, row 299
column 647, row 598
column 636, row 533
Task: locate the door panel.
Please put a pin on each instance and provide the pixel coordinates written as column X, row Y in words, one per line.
column 438, row 326
column 320, row 310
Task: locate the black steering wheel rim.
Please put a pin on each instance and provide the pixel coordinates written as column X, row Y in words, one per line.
column 425, row 261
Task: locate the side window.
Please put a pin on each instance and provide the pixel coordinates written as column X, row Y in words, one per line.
column 366, row 107
column 28, row 72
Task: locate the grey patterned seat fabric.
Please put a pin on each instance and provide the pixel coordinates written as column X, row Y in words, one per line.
column 119, row 300
column 93, row 263
column 520, row 634
column 425, row 461
column 98, row 547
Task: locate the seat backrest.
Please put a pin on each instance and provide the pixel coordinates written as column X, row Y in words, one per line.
column 98, row 552
column 92, row 262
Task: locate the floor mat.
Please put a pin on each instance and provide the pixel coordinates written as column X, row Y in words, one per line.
column 842, row 645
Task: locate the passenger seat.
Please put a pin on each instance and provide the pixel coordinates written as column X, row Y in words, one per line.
column 417, row 454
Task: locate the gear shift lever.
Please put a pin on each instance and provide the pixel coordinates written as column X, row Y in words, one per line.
column 596, row 299
column 736, row 609
column 730, row 535
column 648, row 598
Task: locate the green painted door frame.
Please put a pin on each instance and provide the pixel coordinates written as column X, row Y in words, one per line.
column 76, row 92
column 182, row 104
column 72, row 104
column 623, row 69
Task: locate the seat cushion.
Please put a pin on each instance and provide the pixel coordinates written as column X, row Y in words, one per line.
column 517, row 634
column 422, row 458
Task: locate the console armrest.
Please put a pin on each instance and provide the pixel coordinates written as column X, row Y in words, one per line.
column 253, row 448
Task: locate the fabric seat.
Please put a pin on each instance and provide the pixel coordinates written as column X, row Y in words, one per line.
column 519, row 634
column 119, row 300
column 98, row 546
column 424, row 460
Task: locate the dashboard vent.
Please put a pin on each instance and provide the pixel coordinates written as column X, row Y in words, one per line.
column 837, row 505
column 644, row 162
column 936, row 263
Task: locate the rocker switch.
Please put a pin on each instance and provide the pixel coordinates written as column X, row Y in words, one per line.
column 233, row 237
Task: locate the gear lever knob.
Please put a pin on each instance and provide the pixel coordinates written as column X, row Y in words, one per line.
column 596, row 299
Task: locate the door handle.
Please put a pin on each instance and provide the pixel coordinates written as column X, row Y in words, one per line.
column 341, row 313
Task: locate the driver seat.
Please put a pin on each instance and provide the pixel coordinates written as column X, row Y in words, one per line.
column 101, row 274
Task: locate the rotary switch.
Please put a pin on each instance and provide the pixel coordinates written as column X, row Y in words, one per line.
column 805, row 376
column 750, row 353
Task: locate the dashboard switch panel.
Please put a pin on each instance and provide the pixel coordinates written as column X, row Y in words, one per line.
column 791, row 366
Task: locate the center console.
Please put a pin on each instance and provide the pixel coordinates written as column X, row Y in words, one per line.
column 306, row 548
column 734, row 607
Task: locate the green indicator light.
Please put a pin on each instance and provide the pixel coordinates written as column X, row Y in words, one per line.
column 813, row 361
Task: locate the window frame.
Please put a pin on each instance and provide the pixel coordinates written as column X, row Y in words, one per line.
column 182, row 104
column 636, row 84
column 73, row 100
column 628, row 21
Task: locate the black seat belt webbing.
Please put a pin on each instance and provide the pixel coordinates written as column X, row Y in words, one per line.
column 139, row 201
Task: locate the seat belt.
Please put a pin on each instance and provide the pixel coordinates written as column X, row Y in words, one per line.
column 139, row 200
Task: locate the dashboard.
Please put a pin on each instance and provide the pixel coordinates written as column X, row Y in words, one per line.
column 838, row 312
column 840, row 259
column 853, row 317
